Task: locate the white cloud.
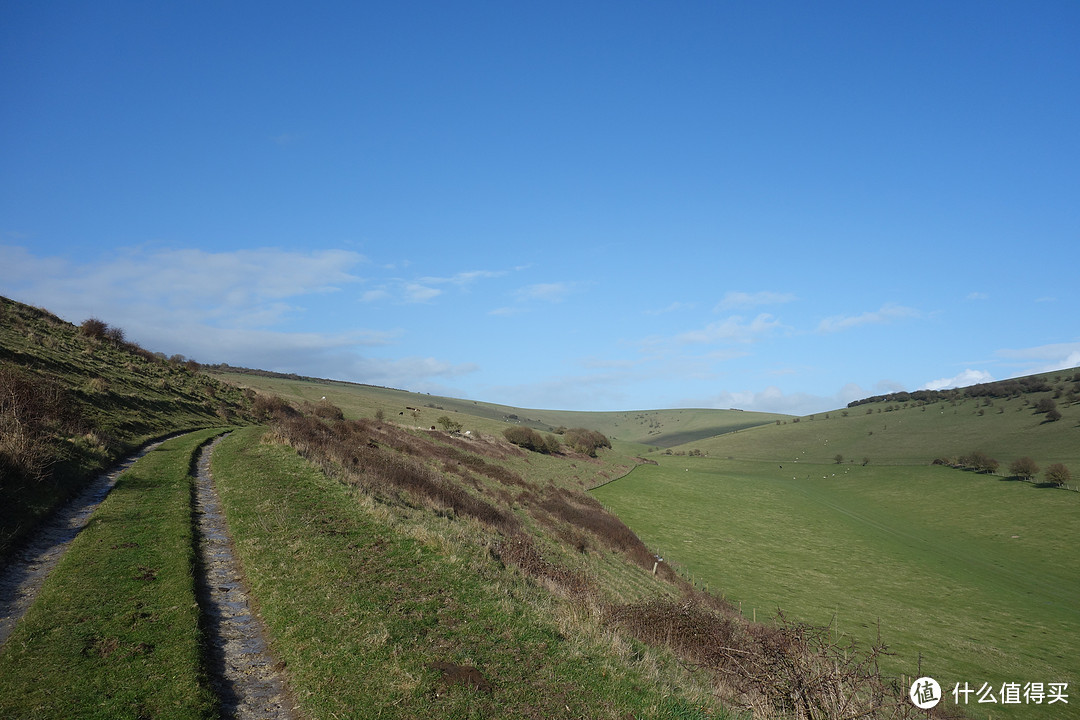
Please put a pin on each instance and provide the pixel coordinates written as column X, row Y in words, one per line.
column 507, row 311
column 423, row 289
column 571, row 392
column 463, row 278
column 374, row 295
column 773, row 399
column 526, row 296
column 673, row 307
column 733, row 329
column 977, row 296
column 963, row 379
column 742, row 299
column 886, row 314
column 416, row 293
column 546, row 292
column 220, row 307
column 243, row 288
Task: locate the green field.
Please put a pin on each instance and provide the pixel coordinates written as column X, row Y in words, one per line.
column 977, row 574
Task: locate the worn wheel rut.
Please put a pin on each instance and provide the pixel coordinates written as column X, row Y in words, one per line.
column 247, row 679
column 22, row 578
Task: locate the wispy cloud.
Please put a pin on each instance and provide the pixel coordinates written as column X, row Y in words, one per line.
column 977, row 296
column 773, row 399
column 426, row 288
column 673, row 307
column 242, row 288
column 732, row 329
column 1043, row 358
column 525, row 297
column 888, row 313
column 462, row 279
column 546, row 292
column 417, row 293
column 734, row 299
column 222, row 307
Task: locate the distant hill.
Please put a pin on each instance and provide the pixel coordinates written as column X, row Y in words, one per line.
column 652, row 428
column 1008, row 420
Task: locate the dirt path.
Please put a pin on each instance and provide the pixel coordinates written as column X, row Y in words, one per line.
column 246, row 677
column 21, row 580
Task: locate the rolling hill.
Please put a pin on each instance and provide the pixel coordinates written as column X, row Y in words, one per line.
column 649, row 428
column 388, row 555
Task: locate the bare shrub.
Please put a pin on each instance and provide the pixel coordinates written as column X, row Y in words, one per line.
column 519, row 550
column 1024, row 468
column 585, row 441
column 34, row 412
column 93, row 328
column 266, row 408
column 352, row 449
column 115, row 335
column 783, row 670
column 525, row 437
column 586, row 513
column 328, row 411
column 1057, row 474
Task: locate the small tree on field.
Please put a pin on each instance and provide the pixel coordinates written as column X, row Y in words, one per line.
column 838, row 458
column 450, row 426
column 1024, row 468
column 1045, row 405
column 1053, row 416
column 1057, row 474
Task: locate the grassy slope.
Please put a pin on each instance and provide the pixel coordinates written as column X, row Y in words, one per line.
column 1006, row 430
column 930, row 551
column 114, row 632
column 362, row 598
column 658, row 428
column 122, row 399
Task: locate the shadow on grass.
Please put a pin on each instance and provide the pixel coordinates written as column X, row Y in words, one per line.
column 1032, row 483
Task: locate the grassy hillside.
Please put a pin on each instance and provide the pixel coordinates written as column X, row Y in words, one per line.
column 73, row 400
column 913, row 433
column 445, row 575
column 655, row 428
column 974, row 574
column 458, row 575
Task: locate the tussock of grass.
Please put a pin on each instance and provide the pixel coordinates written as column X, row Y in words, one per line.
column 115, row 631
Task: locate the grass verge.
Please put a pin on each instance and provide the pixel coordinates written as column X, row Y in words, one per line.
column 375, row 617
column 115, row 631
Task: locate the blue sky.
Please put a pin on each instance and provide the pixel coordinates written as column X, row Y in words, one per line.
column 605, row 205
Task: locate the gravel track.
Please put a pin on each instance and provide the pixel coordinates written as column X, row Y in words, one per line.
column 247, row 679
column 22, row 578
